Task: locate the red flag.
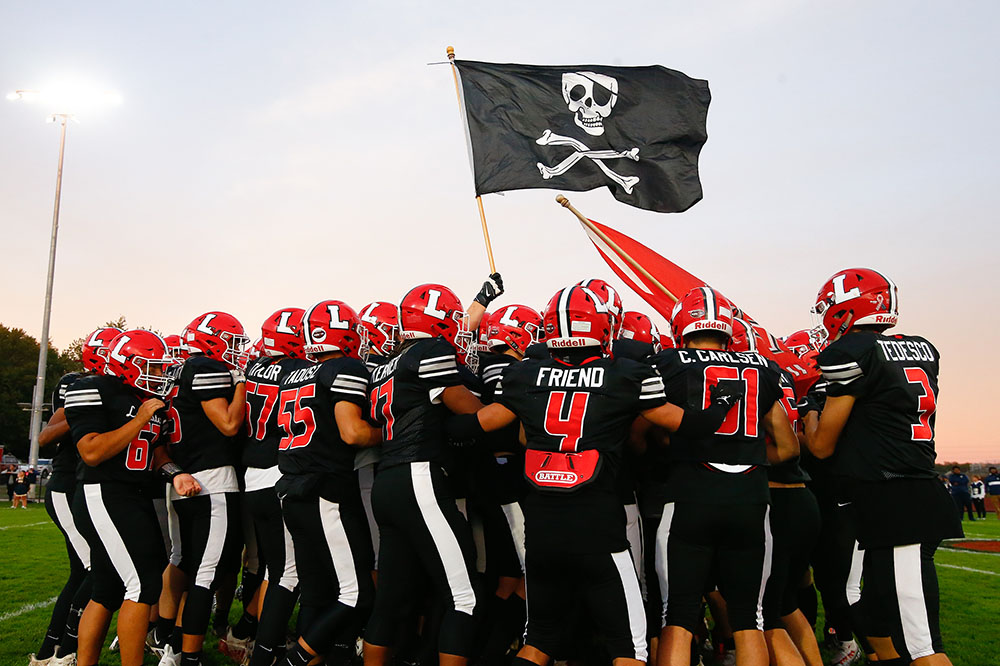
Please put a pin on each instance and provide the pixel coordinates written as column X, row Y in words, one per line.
column 660, row 282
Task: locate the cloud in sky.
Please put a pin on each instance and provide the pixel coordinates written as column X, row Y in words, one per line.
column 271, row 156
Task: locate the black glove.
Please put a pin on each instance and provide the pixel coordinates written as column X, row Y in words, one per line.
column 492, row 288
column 701, row 422
column 813, row 402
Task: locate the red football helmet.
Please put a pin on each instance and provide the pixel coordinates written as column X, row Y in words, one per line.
column 176, row 347
column 251, row 353
column 744, row 338
column 140, row 359
column 217, row 335
column 607, row 294
column 637, row 326
column 482, row 333
column 332, row 326
column 667, row 341
column 379, row 328
column 516, row 326
column 577, row 317
column 94, row 351
column 856, row 297
column 701, row 309
column 807, row 340
column 430, row 310
column 282, row 333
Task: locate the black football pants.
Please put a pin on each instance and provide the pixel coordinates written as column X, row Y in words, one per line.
column 333, row 550
column 59, row 507
column 423, row 535
column 795, row 529
column 126, row 548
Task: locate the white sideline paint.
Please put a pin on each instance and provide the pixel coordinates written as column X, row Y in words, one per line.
column 27, row 608
column 949, row 566
column 10, row 527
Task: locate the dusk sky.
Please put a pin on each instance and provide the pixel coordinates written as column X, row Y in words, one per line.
column 267, row 155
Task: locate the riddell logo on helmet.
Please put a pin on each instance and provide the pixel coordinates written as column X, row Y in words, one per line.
column 564, row 478
column 885, row 319
column 710, row 325
column 559, row 343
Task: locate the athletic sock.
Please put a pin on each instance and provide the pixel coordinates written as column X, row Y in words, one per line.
column 191, row 658
column 176, row 639
column 273, row 624
column 68, row 643
column 48, row 646
column 297, row 656
column 164, row 627
column 246, row 627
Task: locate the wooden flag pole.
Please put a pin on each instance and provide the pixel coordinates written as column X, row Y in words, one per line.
column 479, row 200
column 564, row 202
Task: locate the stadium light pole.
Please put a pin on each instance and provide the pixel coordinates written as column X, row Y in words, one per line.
column 63, row 99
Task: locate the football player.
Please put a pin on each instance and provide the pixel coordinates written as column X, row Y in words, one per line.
column 878, row 424
column 795, row 526
column 282, row 354
column 577, row 408
column 62, row 631
column 115, row 420
column 208, row 412
column 498, row 479
column 379, row 337
column 419, row 522
column 715, row 493
column 321, row 410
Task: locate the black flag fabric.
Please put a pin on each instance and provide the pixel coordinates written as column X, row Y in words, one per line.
column 636, row 130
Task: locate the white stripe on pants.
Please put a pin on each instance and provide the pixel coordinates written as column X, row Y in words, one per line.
column 910, row 597
column 445, row 541
column 766, row 573
column 218, row 527
column 340, row 550
column 61, row 505
column 662, row 543
column 112, row 541
column 633, row 600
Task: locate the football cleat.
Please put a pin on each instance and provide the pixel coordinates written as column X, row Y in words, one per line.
column 169, row 657
column 114, row 644
column 845, row 653
column 237, row 649
column 39, row 662
column 66, row 660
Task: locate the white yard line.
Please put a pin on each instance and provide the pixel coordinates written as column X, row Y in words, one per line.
column 27, row 608
column 950, row 566
column 10, row 527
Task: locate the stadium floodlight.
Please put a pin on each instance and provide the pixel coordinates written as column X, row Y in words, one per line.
column 62, row 102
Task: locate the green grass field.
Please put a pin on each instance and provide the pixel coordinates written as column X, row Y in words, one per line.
column 33, row 569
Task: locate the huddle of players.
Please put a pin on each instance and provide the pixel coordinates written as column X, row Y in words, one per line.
column 544, row 442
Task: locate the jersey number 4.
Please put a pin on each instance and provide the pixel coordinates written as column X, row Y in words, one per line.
column 748, row 407
column 567, row 424
column 922, row 431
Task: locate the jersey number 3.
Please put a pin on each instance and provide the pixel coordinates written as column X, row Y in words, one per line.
column 921, row 431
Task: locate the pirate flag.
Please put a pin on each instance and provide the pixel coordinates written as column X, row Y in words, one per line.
column 636, row 130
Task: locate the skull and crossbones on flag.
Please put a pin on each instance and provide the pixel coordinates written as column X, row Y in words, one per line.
column 640, row 130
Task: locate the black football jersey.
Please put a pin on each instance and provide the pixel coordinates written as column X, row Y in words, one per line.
column 507, row 439
column 729, row 465
column 890, row 432
column 102, row 403
column 264, row 375
column 311, row 443
column 65, row 460
column 789, row 471
column 405, row 401
column 633, row 349
column 195, row 443
column 578, row 408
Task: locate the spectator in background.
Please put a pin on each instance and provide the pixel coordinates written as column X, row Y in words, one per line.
column 977, row 489
column 20, row 491
column 32, row 478
column 960, row 491
column 11, row 478
column 993, row 491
